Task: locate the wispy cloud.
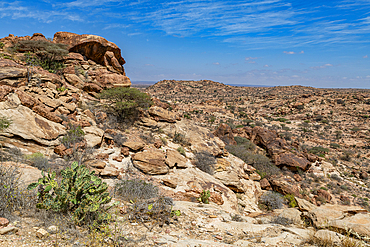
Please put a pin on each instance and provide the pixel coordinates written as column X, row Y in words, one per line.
column 17, row 10
column 365, row 56
column 322, row 66
column 289, row 52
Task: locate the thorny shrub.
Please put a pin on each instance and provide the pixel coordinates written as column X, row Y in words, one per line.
column 135, row 190
column 13, row 196
column 205, row 161
column 271, row 200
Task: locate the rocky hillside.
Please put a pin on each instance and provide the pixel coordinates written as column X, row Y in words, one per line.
column 206, row 165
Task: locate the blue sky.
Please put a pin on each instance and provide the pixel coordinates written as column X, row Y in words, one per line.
column 267, row 42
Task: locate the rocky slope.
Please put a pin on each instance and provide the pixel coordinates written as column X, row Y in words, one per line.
column 183, row 146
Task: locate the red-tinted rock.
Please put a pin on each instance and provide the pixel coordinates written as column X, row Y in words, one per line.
column 225, row 133
column 4, row 91
column 324, row 194
column 265, row 185
column 297, row 177
column 284, row 185
column 60, row 150
column 125, row 151
column 91, row 87
column 93, row 47
column 102, row 156
column 291, row 161
column 4, row 222
column 44, row 112
column 26, row 99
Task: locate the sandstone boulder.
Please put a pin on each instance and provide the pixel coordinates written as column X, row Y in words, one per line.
column 231, row 180
column 322, row 216
column 135, row 146
column 291, row 161
column 174, row 158
column 162, row 114
column 37, row 128
column 151, row 162
column 93, row 136
column 93, row 47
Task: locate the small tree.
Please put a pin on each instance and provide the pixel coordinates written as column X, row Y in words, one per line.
column 125, row 103
column 43, row 53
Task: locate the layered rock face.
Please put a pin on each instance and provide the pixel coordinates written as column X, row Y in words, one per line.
column 35, row 100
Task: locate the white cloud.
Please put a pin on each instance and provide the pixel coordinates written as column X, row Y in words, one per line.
column 302, row 52
column 289, row 52
column 217, row 63
column 267, row 66
column 250, row 58
column 322, row 66
column 365, row 56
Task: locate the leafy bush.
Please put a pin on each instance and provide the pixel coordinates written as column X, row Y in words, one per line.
column 38, row 160
column 13, row 197
column 74, row 135
column 4, row 123
column 204, row 197
column 135, row 190
column 271, row 200
column 291, row 200
column 2, row 45
column 80, row 192
column 125, row 103
column 205, row 162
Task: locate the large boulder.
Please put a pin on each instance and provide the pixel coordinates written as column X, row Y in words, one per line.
column 328, row 215
column 150, row 162
column 28, row 125
column 161, row 114
column 93, row 47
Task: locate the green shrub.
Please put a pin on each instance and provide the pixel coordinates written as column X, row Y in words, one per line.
column 4, row 123
column 43, row 53
column 204, row 197
column 74, row 135
column 181, row 150
column 291, row 200
column 205, row 162
column 2, row 45
column 79, row 192
column 271, row 200
column 38, row 160
column 62, row 89
column 135, row 190
column 125, row 102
